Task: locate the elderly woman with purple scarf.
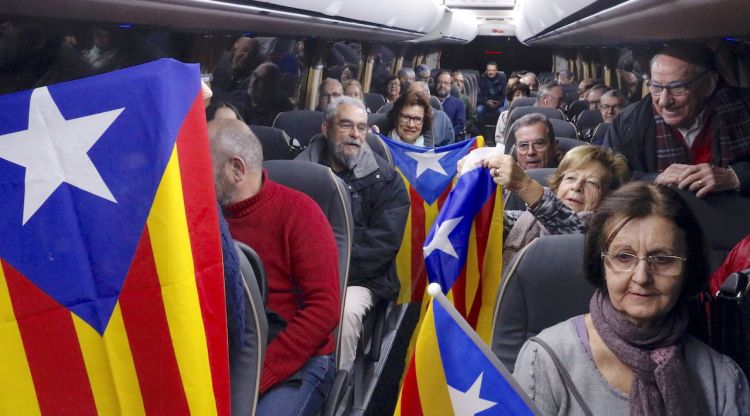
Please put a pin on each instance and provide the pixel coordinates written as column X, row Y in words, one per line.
column 631, row 354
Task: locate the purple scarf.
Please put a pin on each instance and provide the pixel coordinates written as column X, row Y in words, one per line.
column 661, row 385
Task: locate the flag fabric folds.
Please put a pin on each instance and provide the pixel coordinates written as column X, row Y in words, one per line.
column 111, row 280
column 454, row 372
column 428, row 174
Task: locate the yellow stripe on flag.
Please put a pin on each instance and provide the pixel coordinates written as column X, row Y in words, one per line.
column 472, row 271
column 110, row 367
column 433, row 387
column 403, row 259
column 17, row 394
column 492, row 270
column 170, row 242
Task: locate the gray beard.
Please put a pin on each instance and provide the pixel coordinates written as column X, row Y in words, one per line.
column 337, row 154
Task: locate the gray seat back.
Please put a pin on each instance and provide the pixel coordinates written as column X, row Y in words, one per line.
column 247, row 364
column 588, row 119
column 565, row 143
column 575, row 108
column 599, row 132
column 332, row 195
column 522, row 102
column 544, row 285
column 378, row 119
column 379, row 147
column 513, row 202
column 373, row 101
column 275, row 143
column 518, row 112
column 300, row 124
column 564, row 128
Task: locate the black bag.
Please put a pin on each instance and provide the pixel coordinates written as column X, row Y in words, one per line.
column 730, row 319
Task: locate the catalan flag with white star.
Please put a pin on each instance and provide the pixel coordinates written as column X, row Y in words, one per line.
column 453, row 371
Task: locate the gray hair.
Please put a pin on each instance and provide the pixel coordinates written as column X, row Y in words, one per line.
column 544, row 91
column 327, row 81
column 699, row 56
column 406, row 72
column 333, row 107
column 421, row 85
column 536, row 118
column 234, row 138
column 616, row 94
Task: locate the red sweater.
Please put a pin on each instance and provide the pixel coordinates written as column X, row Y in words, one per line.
column 295, row 241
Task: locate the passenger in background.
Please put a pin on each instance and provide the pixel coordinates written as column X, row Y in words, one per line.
column 535, row 146
column 551, row 96
column 491, row 90
column 631, row 354
column 233, row 72
column 392, row 89
column 452, row 106
column 595, row 94
column 406, row 76
column 585, row 176
column 565, row 77
column 611, row 104
column 409, row 119
column 529, row 79
column 352, row 88
column 265, row 99
column 516, row 90
column 380, row 206
column 220, row 110
column 692, row 131
column 422, row 73
column 329, row 90
column 441, row 132
column 584, row 86
column 471, row 110
column 295, row 241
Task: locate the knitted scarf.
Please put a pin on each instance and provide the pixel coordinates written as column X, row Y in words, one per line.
column 733, row 132
column 661, row 385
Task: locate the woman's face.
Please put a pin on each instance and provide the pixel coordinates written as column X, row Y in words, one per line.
column 394, row 87
column 642, row 295
column 581, row 189
column 518, row 94
column 410, row 122
column 353, row 91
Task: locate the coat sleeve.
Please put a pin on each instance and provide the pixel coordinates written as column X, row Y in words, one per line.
column 557, row 217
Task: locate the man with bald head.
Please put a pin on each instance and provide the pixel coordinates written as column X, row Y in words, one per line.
column 329, row 90
column 292, row 236
column 692, row 131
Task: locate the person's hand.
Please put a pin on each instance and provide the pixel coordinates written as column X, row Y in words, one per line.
column 671, row 175
column 506, row 172
column 493, row 103
column 375, row 129
column 704, row 179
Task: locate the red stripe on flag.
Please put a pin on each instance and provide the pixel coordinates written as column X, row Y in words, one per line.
column 148, row 334
column 459, row 292
column 203, row 227
column 482, row 223
column 410, row 402
column 418, row 235
column 443, row 197
column 52, row 349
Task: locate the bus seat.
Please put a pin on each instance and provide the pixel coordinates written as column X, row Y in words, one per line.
column 378, row 119
column 599, row 132
column 380, row 148
column 253, row 259
column 565, row 143
column 564, row 128
column 724, row 219
column 373, row 101
column 575, row 108
column 332, row 195
column 521, row 102
column 247, row 363
column 300, row 124
column 435, row 103
column 530, row 296
column 518, row 112
column 513, row 202
column 275, row 143
column 588, row 120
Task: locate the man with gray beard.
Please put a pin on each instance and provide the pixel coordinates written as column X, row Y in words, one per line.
column 380, row 206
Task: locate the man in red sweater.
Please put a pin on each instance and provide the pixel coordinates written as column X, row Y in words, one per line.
column 296, row 243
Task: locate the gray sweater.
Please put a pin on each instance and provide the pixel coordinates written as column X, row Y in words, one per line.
column 722, row 382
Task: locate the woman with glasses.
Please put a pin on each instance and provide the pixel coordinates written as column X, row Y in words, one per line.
column 586, row 174
column 631, row 354
column 409, row 118
column 392, row 89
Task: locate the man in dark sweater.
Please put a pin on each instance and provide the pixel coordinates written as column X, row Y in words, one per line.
column 295, row 241
column 380, row 206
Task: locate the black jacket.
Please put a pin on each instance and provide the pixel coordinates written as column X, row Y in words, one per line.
column 632, row 135
column 380, row 205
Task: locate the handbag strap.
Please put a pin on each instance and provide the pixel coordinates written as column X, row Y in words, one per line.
column 564, row 375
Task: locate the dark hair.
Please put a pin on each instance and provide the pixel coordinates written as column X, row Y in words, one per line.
column 640, row 200
column 407, row 100
column 517, row 86
column 217, row 104
column 493, row 63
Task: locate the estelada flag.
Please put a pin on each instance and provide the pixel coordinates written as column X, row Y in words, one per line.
column 427, row 174
column 111, row 278
column 453, row 372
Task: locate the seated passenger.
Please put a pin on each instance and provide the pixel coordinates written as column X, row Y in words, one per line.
column 491, row 90
column 441, row 132
column 296, row 243
column 611, row 104
column 380, row 206
column 594, row 96
column 529, row 79
column 392, row 90
column 551, row 96
column 406, row 76
column 409, row 118
column 516, row 90
column 737, row 260
column 631, row 354
column 329, row 90
column 265, row 99
column 352, row 88
column 452, row 106
column 535, row 146
column 692, row 131
column 586, row 175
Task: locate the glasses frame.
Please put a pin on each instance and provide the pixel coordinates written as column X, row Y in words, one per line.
column 536, row 145
column 672, row 86
column 649, row 260
column 347, row 126
column 406, row 119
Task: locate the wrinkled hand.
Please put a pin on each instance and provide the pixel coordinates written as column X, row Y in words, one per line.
column 702, row 179
column 375, row 129
column 506, row 172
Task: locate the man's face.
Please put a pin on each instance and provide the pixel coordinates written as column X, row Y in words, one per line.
column 610, row 107
column 329, row 92
column 529, row 80
column 533, row 148
column 406, row 80
column 443, row 85
column 241, row 51
column 458, row 79
column 554, row 98
column 594, row 98
column 491, row 71
column 346, row 135
column 679, row 111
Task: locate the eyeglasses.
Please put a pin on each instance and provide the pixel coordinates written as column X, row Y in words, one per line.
column 674, row 88
column 406, row 119
column 659, row 264
column 331, row 95
column 443, row 83
column 538, row 146
column 347, row 126
column 607, row 107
